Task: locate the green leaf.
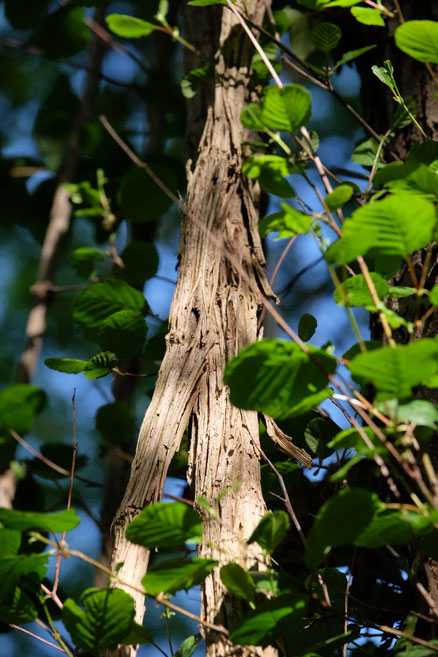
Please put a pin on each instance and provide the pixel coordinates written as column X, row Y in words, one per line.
column 365, row 153
column 326, row 36
column 176, row 575
column 317, row 435
column 354, row 290
column 284, row 379
column 307, row 327
column 115, row 421
column 100, row 365
column 269, row 170
column 418, row 651
column 401, row 118
column 258, row 65
column 16, row 568
column 419, row 39
column 137, row 634
column 286, row 109
column 140, row 198
column 402, row 177
column 368, row 16
column 21, row 569
column 166, row 525
column 101, row 300
column 67, row 365
column 63, row 521
column 123, row 333
column 395, row 527
column 10, row 540
column 385, row 228
column 19, row 610
column 394, row 371
column 353, row 54
column 425, row 152
column 339, row 196
column 259, row 626
column 401, row 291
column 191, row 82
column 187, row 648
column 128, row 26
column 237, row 581
column 19, row 405
column 106, row 620
column 339, row 521
column 287, row 223
column 419, row 412
column 298, row 105
column 251, row 117
column 84, row 260
column 271, row 530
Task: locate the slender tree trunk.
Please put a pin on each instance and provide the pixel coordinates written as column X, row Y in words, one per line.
column 213, row 314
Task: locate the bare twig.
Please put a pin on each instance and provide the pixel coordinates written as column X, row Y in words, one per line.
column 35, row 636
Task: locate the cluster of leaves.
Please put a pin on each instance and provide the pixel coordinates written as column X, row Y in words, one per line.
column 303, row 614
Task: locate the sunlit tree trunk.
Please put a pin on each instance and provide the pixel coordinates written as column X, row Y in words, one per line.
column 214, row 313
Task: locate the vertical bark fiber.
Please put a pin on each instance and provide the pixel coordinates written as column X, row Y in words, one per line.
column 213, row 314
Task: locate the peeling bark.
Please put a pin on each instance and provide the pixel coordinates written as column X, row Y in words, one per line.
column 214, row 313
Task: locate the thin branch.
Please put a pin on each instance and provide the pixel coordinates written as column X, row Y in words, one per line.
column 35, row 636
column 161, row 599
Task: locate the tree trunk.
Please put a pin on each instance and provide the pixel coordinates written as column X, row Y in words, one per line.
column 213, row 314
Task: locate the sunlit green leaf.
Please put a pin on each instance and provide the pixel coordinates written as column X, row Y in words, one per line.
column 269, row 170
column 419, row 39
column 385, row 228
column 339, row 196
column 62, row 521
column 129, row 26
column 283, row 377
column 67, row 365
column 286, row 109
column 394, row 371
column 368, row 16
column 176, row 575
column 354, row 290
column 166, row 525
column 287, row 223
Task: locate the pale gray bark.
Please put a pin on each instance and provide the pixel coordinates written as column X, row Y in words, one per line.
column 213, row 314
